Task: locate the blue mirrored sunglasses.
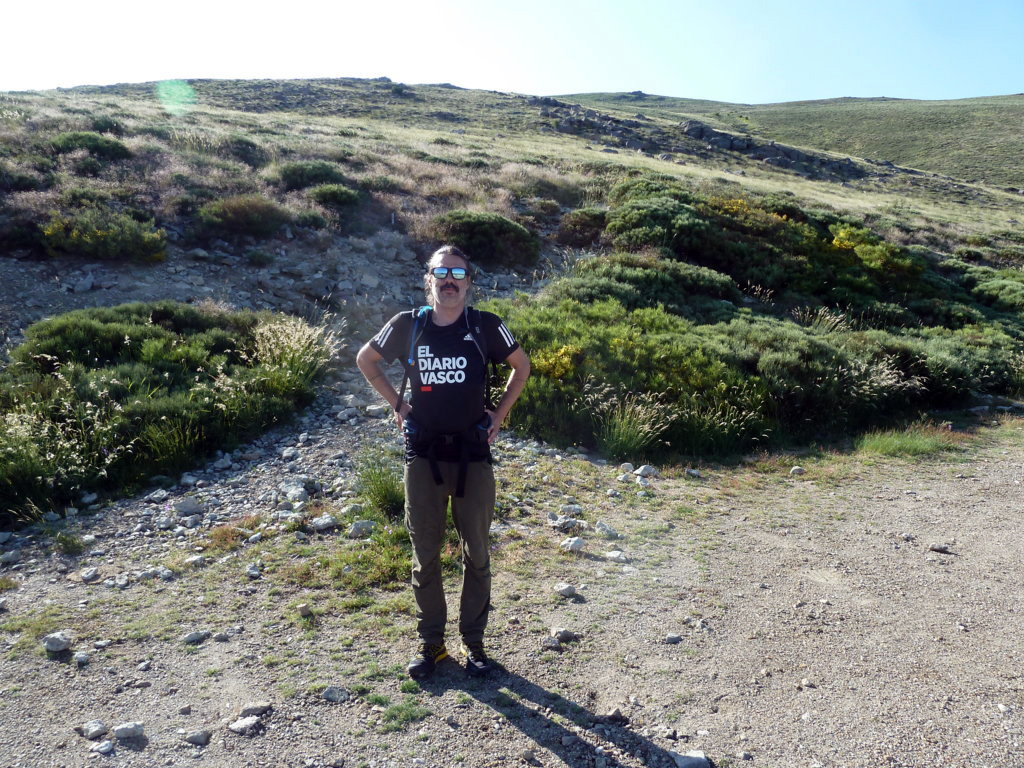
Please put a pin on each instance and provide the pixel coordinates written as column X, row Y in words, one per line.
column 440, row 273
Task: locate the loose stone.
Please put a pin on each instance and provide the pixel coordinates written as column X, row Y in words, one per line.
column 130, row 730
column 93, row 729
column 82, row 658
column 565, row 590
column 616, row 556
column 244, row 725
column 195, row 638
column 361, row 529
column 104, row 747
column 646, row 471
column 58, row 641
column 336, row 694
column 89, row 574
column 256, row 708
column 324, row 523
column 199, row 738
column 573, row 544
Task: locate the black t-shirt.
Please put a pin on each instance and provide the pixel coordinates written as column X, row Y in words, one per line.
column 447, row 374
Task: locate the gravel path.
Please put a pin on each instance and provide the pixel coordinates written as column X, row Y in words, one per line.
column 860, row 614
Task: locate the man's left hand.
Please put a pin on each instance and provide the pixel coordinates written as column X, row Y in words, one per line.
column 492, row 432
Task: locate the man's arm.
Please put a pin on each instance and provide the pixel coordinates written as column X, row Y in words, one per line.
column 369, row 361
column 520, row 365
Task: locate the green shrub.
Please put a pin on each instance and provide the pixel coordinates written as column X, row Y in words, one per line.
column 646, row 280
column 655, row 222
column 245, row 150
column 96, row 145
column 311, row 219
column 244, row 215
column 98, row 233
column 581, row 228
column 107, row 124
column 487, row 238
column 306, row 173
column 12, row 180
column 334, row 195
column 104, row 397
column 380, row 184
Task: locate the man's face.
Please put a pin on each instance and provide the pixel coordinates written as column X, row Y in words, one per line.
column 447, row 291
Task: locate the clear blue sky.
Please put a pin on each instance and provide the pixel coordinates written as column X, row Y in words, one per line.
column 739, row 50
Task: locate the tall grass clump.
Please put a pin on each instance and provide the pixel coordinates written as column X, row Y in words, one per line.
column 914, row 441
column 103, row 398
column 626, row 425
column 380, row 483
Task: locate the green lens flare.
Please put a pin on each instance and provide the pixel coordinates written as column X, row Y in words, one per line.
column 176, row 96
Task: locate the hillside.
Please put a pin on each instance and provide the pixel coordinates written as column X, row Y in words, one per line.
column 973, row 140
column 736, row 285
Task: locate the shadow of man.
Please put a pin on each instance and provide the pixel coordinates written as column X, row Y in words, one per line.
column 547, row 718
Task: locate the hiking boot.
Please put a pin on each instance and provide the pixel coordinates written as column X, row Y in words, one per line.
column 477, row 662
column 425, row 662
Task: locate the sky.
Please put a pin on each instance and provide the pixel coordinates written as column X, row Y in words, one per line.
column 741, row 51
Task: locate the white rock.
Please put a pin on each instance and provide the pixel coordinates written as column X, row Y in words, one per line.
column 626, row 467
column 643, row 482
column 573, row 544
column 130, row 730
column 361, row 529
column 565, row 590
column 244, row 725
column 11, row 556
column 290, row 454
column 256, row 708
column 570, row 510
column 606, row 530
column 646, row 471
column 93, row 729
column 104, row 747
column 324, row 523
column 187, row 506
column 562, row 634
column 195, row 561
column 336, row 694
column 89, row 574
column 616, row 556
column 58, row 641
column 199, row 738
column 692, row 759
column 82, row 658
column 195, row 638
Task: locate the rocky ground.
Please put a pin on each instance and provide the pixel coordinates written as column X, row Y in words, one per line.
column 849, row 612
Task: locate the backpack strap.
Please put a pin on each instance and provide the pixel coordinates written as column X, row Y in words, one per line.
column 420, row 318
column 474, row 322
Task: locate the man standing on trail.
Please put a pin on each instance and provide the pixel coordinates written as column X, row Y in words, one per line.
column 445, row 348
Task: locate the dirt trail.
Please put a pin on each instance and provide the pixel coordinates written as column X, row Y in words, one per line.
column 863, row 614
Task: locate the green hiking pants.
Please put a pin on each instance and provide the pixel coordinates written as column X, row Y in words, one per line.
column 426, row 507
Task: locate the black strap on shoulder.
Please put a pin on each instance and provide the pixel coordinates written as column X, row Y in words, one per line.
column 474, row 322
column 420, row 318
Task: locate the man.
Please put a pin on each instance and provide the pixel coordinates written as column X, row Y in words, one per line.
column 445, row 349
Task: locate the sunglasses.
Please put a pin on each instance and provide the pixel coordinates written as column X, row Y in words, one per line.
column 440, row 273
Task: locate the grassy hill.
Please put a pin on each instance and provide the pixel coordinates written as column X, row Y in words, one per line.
column 720, row 288
column 974, row 140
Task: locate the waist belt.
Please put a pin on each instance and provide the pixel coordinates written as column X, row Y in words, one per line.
column 426, row 444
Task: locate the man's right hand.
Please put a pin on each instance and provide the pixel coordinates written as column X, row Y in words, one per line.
column 403, row 410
